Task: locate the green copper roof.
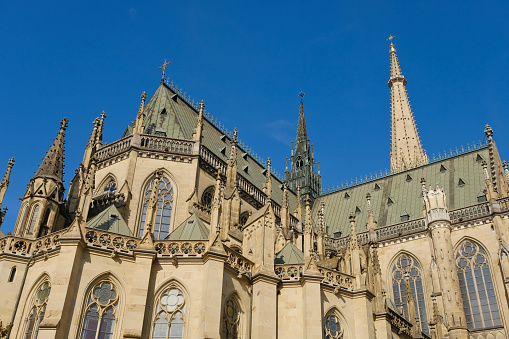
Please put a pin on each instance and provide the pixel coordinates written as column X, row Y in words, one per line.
column 289, row 255
column 110, row 220
column 399, row 195
column 179, row 122
column 192, row 228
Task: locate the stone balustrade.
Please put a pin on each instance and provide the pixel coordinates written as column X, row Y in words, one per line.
column 114, row 148
column 337, row 279
column 184, row 248
column 237, row 261
column 164, row 144
column 289, row 272
column 469, row 213
column 111, row 241
column 16, row 245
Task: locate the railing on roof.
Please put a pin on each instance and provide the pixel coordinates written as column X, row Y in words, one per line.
column 386, row 172
column 220, row 127
column 114, row 148
column 167, row 144
column 418, row 225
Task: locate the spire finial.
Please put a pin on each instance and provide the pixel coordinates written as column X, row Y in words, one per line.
column 63, row 124
column 164, row 68
column 234, row 138
column 392, row 44
column 488, row 131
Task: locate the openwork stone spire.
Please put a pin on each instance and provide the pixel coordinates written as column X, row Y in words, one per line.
column 53, row 164
column 406, row 149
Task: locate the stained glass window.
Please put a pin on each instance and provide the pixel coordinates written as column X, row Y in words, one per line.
column 111, row 186
column 38, row 310
column 332, row 328
column 164, row 207
column 207, row 197
column 407, row 265
column 170, row 315
column 476, row 285
column 231, row 319
column 100, row 312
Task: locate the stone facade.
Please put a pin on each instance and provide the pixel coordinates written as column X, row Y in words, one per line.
column 177, row 231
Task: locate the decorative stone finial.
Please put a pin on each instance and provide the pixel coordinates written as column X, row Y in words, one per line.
column 234, row 138
column 488, row 131
column 435, row 204
column 63, row 124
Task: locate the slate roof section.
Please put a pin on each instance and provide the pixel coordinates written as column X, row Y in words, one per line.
column 192, row 228
column 289, row 255
column 398, row 196
column 179, row 122
column 110, row 220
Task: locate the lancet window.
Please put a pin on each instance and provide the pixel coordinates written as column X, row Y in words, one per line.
column 207, row 197
column 100, row 312
column 404, row 268
column 231, row 319
column 37, row 311
column 170, row 315
column 111, row 186
column 332, row 328
column 476, row 285
column 161, row 228
column 33, row 220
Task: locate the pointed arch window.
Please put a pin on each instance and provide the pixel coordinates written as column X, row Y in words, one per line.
column 100, row 312
column 207, row 197
column 332, row 328
column 37, row 311
column 164, row 208
column 476, row 285
column 170, row 315
column 111, row 186
column 231, row 319
column 33, row 220
column 405, row 264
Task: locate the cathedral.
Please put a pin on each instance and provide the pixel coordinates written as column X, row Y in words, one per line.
column 178, row 230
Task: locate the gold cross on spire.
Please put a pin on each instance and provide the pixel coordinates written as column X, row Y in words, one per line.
column 164, row 68
column 391, row 37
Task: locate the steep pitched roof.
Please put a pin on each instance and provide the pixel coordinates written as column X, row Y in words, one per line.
column 53, row 164
column 180, row 123
column 400, row 194
column 289, row 255
column 110, row 220
column 192, row 228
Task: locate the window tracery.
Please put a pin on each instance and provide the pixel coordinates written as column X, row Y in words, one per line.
column 406, row 265
column 37, row 311
column 161, row 228
column 33, row 220
column 231, row 319
column 207, row 197
column 170, row 315
column 332, row 328
column 243, row 218
column 111, row 186
column 100, row 312
column 476, row 285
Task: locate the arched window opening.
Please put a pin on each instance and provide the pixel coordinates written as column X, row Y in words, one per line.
column 170, row 315
column 299, row 163
column 406, row 267
column 12, row 274
column 164, row 208
column 111, row 186
column 243, row 218
column 100, row 312
column 332, row 328
column 44, row 229
column 476, row 285
column 37, row 311
column 35, row 213
column 207, row 197
column 231, row 319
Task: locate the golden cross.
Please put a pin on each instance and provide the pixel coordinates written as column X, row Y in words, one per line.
column 391, row 37
column 301, row 94
column 164, row 68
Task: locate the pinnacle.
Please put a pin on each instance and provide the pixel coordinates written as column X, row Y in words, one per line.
column 53, row 163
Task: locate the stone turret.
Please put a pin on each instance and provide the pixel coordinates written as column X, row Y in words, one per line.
column 41, row 205
column 406, row 149
column 4, row 184
column 302, row 171
column 439, row 225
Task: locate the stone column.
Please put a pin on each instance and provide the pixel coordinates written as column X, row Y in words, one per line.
column 312, row 310
column 263, row 312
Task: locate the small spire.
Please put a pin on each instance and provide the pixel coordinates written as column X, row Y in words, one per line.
column 99, row 135
column 353, row 231
column 53, row 164
column 506, row 171
column 4, row 184
column 302, row 134
column 164, row 69
column 138, row 124
column 199, row 123
column 268, row 180
column 488, row 131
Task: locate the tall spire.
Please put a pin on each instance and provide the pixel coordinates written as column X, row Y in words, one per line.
column 406, row 149
column 302, row 133
column 53, row 164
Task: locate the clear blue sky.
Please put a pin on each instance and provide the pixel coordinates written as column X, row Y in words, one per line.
column 249, row 61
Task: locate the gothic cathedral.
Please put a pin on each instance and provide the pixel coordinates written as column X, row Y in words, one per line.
column 178, row 230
